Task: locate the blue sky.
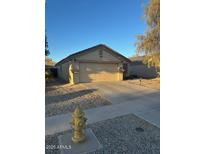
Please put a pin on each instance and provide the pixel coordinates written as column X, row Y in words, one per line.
column 74, row 25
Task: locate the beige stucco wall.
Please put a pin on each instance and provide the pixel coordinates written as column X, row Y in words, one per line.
column 120, row 73
column 107, row 62
column 71, row 70
column 74, row 72
column 70, row 73
column 95, row 56
column 63, row 71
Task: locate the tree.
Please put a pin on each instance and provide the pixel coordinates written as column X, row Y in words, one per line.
column 47, row 52
column 149, row 43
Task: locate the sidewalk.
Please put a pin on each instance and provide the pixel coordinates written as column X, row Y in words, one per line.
column 141, row 108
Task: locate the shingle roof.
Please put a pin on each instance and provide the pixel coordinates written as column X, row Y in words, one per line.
column 136, row 58
column 91, row 49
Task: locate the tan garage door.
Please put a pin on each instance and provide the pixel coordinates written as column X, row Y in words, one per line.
column 94, row 72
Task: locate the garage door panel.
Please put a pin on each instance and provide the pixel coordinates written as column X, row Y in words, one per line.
column 94, row 72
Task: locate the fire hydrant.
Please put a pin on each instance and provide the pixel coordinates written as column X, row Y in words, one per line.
column 78, row 125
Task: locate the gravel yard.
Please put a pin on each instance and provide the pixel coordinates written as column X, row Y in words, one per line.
column 125, row 134
column 63, row 98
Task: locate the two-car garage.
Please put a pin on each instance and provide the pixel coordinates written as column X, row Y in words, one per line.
column 94, row 72
column 98, row 63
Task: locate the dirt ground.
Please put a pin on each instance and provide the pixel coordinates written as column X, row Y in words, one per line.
column 150, row 83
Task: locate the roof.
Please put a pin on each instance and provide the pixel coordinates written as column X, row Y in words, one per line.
column 136, row 58
column 76, row 54
column 49, row 66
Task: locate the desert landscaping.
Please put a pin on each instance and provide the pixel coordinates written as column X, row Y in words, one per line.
column 123, row 115
column 63, row 98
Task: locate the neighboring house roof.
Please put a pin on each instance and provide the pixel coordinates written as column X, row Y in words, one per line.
column 90, row 50
column 137, row 59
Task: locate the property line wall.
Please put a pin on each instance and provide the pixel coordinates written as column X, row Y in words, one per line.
column 142, row 71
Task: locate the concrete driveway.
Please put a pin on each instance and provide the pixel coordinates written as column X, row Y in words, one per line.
column 126, row 98
column 143, row 101
column 123, row 91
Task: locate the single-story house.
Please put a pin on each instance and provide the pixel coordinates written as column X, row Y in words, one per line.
column 138, row 69
column 98, row 63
